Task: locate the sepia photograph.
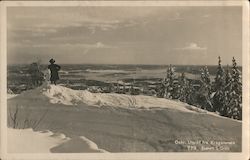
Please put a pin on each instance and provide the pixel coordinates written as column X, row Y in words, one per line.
column 125, row 79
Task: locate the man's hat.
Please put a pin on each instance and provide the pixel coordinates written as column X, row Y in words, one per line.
column 52, row 60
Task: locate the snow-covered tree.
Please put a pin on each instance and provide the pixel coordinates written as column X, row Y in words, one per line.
column 218, row 95
column 235, row 94
column 228, row 76
column 183, row 88
column 227, row 97
column 236, row 78
column 220, row 76
column 191, row 93
column 166, row 86
column 205, row 89
column 205, row 76
column 36, row 75
column 160, row 89
column 226, row 91
column 169, row 93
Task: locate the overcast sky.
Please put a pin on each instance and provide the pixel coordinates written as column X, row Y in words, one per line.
column 124, row 35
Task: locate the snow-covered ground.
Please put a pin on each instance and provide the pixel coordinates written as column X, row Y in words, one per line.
column 9, row 96
column 119, row 122
column 28, row 141
column 66, row 96
column 69, row 97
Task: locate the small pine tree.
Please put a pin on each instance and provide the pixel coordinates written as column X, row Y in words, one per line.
column 160, row 89
column 224, row 94
column 190, row 93
column 220, row 77
column 235, row 95
column 228, row 76
column 236, row 78
column 183, row 88
column 169, row 83
column 219, row 91
column 205, row 76
column 205, row 89
column 166, row 87
column 36, row 75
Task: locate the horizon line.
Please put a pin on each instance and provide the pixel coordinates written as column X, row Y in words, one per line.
column 125, row 64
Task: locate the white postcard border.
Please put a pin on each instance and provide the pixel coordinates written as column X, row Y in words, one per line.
column 158, row 155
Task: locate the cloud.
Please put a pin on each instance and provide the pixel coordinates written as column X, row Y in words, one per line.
column 75, row 45
column 65, row 47
column 32, row 31
column 63, row 25
column 92, row 25
column 104, row 26
column 192, row 46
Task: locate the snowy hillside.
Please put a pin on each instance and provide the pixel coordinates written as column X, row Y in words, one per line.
column 66, row 96
column 46, row 142
column 119, row 122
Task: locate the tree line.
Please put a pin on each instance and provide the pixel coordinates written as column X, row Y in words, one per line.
column 223, row 94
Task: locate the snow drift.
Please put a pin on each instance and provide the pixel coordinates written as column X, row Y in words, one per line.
column 29, row 141
column 62, row 95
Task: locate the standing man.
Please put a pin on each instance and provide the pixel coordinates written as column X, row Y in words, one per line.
column 54, row 68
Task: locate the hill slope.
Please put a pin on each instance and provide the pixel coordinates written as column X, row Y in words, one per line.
column 124, row 123
column 47, row 142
